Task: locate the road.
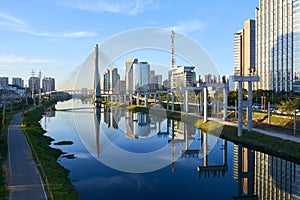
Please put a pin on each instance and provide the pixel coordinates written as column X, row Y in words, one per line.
column 24, row 178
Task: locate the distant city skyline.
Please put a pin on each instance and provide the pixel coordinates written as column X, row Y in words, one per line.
column 33, row 38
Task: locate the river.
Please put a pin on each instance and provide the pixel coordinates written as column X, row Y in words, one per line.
column 125, row 155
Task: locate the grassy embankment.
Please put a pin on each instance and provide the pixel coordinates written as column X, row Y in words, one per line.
column 279, row 120
column 55, row 177
column 285, row 149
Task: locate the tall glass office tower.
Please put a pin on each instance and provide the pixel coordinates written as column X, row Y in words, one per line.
column 277, row 45
column 137, row 75
column 296, row 44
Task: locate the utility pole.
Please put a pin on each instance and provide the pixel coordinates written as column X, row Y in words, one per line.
column 32, row 87
column 3, row 113
column 40, row 88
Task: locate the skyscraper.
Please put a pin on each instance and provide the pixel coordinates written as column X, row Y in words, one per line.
column 48, row 84
column 3, row 82
column 277, row 45
column 296, row 45
column 155, row 81
column 34, row 82
column 244, row 50
column 18, row 81
column 137, row 75
column 129, row 74
column 110, row 82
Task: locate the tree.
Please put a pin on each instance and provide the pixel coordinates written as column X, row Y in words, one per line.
column 289, row 106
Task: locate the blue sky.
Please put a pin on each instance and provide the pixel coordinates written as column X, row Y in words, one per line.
column 56, row 36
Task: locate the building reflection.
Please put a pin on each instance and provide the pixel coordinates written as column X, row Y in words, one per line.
column 276, row 178
column 182, row 135
column 258, row 175
column 212, row 170
column 111, row 116
column 261, row 176
column 50, row 112
column 137, row 125
column 243, row 167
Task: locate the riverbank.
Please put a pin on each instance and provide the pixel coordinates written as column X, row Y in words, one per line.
column 285, row 149
column 55, row 177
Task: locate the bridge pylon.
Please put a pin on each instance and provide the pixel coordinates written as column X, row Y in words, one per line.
column 97, row 96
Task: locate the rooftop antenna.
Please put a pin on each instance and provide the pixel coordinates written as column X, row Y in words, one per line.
column 173, row 49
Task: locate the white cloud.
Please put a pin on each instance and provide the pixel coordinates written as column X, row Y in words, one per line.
column 11, row 20
column 18, row 25
column 189, row 26
column 129, row 7
column 11, row 59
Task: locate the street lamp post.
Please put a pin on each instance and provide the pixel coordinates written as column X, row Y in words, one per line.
column 295, row 120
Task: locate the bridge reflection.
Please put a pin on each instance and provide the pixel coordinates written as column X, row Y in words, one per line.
column 257, row 175
column 142, row 125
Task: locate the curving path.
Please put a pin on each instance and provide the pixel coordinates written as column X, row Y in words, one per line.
column 24, row 178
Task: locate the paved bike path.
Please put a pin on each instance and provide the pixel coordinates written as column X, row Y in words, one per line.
column 24, row 178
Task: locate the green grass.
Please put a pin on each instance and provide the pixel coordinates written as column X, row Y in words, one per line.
column 285, row 121
column 57, row 183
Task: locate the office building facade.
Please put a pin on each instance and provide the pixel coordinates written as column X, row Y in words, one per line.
column 18, row 81
column 244, row 50
column 155, row 81
column 48, row 84
column 3, row 82
column 296, row 45
column 137, row 75
column 277, row 45
column 110, row 82
column 34, row 84
column 182, row 76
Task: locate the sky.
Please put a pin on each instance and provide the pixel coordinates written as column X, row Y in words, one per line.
column 56, row 36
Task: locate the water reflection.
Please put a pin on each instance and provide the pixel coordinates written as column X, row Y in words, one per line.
column 261, row 176
column 140, row 133
column 216, row 170
column 208, row 167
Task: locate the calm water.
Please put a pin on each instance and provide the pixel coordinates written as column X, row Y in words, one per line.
column 124, row 155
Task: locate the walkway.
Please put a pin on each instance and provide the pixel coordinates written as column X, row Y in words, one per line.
column 24, row 179
column 278, row 135
column 273, row 134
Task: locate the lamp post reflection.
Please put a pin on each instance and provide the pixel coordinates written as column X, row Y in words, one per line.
column 216, row 170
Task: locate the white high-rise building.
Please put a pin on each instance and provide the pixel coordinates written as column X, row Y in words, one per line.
column 277, row 45
column 182, row 76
